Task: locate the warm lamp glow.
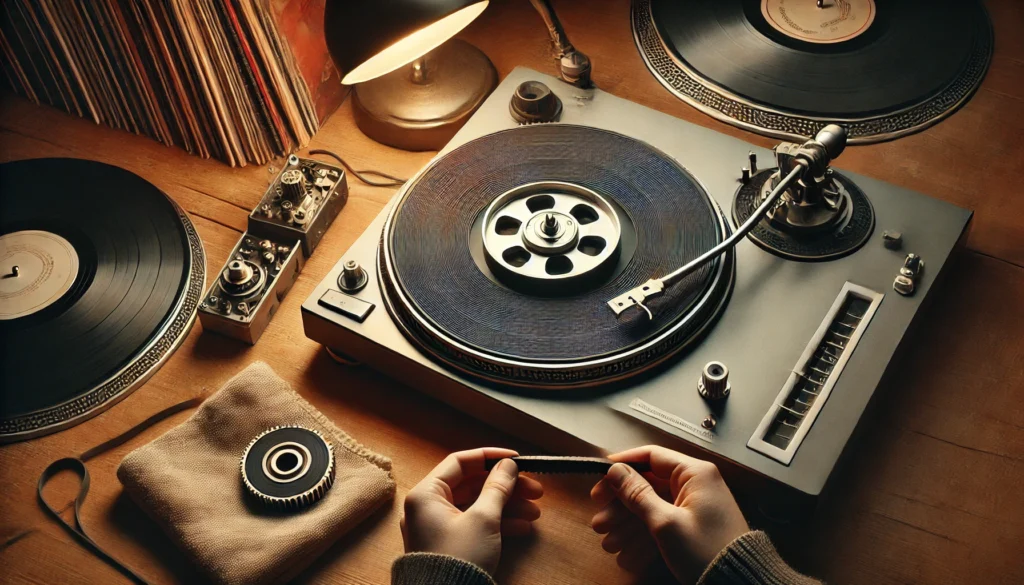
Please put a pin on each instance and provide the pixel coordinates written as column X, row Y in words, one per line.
column 415, row 45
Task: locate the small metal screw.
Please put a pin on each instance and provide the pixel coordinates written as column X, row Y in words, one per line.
column 709, row 422
column 15, row 270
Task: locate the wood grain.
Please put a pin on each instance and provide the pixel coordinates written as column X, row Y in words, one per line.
column 931, row 495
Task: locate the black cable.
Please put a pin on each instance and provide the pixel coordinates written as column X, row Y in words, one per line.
column 392, row 181
column 77, row 465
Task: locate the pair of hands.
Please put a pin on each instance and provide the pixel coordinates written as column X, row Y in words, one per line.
column 681, row 510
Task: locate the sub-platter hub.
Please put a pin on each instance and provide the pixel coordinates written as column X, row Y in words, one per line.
column 551, row 238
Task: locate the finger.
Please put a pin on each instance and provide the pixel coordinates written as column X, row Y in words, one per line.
column 621, row 537
column 515, row 527
column 454, row 468
column 602, row 493
column 612, row 542
column 662, row 461
column 612, row 516
column 637, row 495
column 528, row 488
column 637, row 554
column 662, row 486
column 498, row 488
column 463, row 496
column 522, row 509
column 466, row 492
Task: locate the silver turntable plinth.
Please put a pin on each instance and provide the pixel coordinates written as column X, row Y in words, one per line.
column 773, row 390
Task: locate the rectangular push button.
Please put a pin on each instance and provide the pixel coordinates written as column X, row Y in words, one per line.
column 347, row 305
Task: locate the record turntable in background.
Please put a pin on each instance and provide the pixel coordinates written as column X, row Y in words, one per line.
column 785, row 68
column 100, row 276
column 586, row 283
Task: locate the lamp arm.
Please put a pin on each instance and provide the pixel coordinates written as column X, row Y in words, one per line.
column 575, row 66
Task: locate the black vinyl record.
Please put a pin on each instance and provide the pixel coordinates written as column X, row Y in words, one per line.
column 892, row 68
column 458, row 311
column 132, row 269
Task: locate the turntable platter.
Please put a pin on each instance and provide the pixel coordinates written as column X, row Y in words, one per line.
column 454, row 305
column 101, row 277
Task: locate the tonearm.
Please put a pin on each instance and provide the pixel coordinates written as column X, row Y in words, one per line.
column 803, row 172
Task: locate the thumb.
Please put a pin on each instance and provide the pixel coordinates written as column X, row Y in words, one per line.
column 497, row 489
column 636, row 493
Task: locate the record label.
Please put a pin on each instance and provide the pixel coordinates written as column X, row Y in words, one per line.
column 834, row 21
column 38, row 268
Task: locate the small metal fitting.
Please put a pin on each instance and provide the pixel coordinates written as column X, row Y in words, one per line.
column 892, row 240
column 714, row 381
column 910, row 273
column 709, row 422
column 353, row 277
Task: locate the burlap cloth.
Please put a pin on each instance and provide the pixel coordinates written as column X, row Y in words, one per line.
column 188, row 480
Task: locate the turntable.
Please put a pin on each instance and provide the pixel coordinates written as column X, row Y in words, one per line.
column 610, row 276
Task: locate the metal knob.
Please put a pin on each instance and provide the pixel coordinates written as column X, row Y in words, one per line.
column 238, row 272
column 714, row 381
column 534, row 102
column 353, row 277
column 293, row 185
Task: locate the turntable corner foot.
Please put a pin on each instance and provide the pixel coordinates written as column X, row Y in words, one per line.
column 341, row 357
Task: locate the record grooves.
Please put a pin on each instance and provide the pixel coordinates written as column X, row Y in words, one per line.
column 140, row 273
column 914, row 63
column 453, row 308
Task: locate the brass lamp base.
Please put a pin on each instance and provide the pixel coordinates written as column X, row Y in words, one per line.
column 422, row 105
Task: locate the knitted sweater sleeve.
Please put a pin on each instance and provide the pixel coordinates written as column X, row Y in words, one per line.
column 435, row 569
column 752, row 560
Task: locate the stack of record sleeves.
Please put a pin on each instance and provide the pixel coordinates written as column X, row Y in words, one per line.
column 242, row 81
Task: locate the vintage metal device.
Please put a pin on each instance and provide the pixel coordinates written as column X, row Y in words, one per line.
column 282, row 233
column 617, row 277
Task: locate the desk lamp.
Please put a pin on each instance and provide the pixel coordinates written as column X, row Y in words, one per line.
column 416, row 87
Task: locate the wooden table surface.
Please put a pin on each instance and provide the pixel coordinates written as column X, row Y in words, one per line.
column 933, row 493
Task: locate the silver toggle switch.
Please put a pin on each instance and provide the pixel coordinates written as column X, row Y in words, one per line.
column 714, row 381
column 906, row 280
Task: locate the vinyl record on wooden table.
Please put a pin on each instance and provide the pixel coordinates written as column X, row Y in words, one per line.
column 785, row 68
column 101, row 277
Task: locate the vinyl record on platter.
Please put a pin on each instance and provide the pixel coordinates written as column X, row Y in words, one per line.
column 101, row 276
column 487, row 299
column 785, row 68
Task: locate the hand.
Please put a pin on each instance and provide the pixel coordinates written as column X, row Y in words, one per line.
column 460, row 510
column 681, row 509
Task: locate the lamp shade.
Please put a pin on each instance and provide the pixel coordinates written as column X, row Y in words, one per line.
column 369, row 38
